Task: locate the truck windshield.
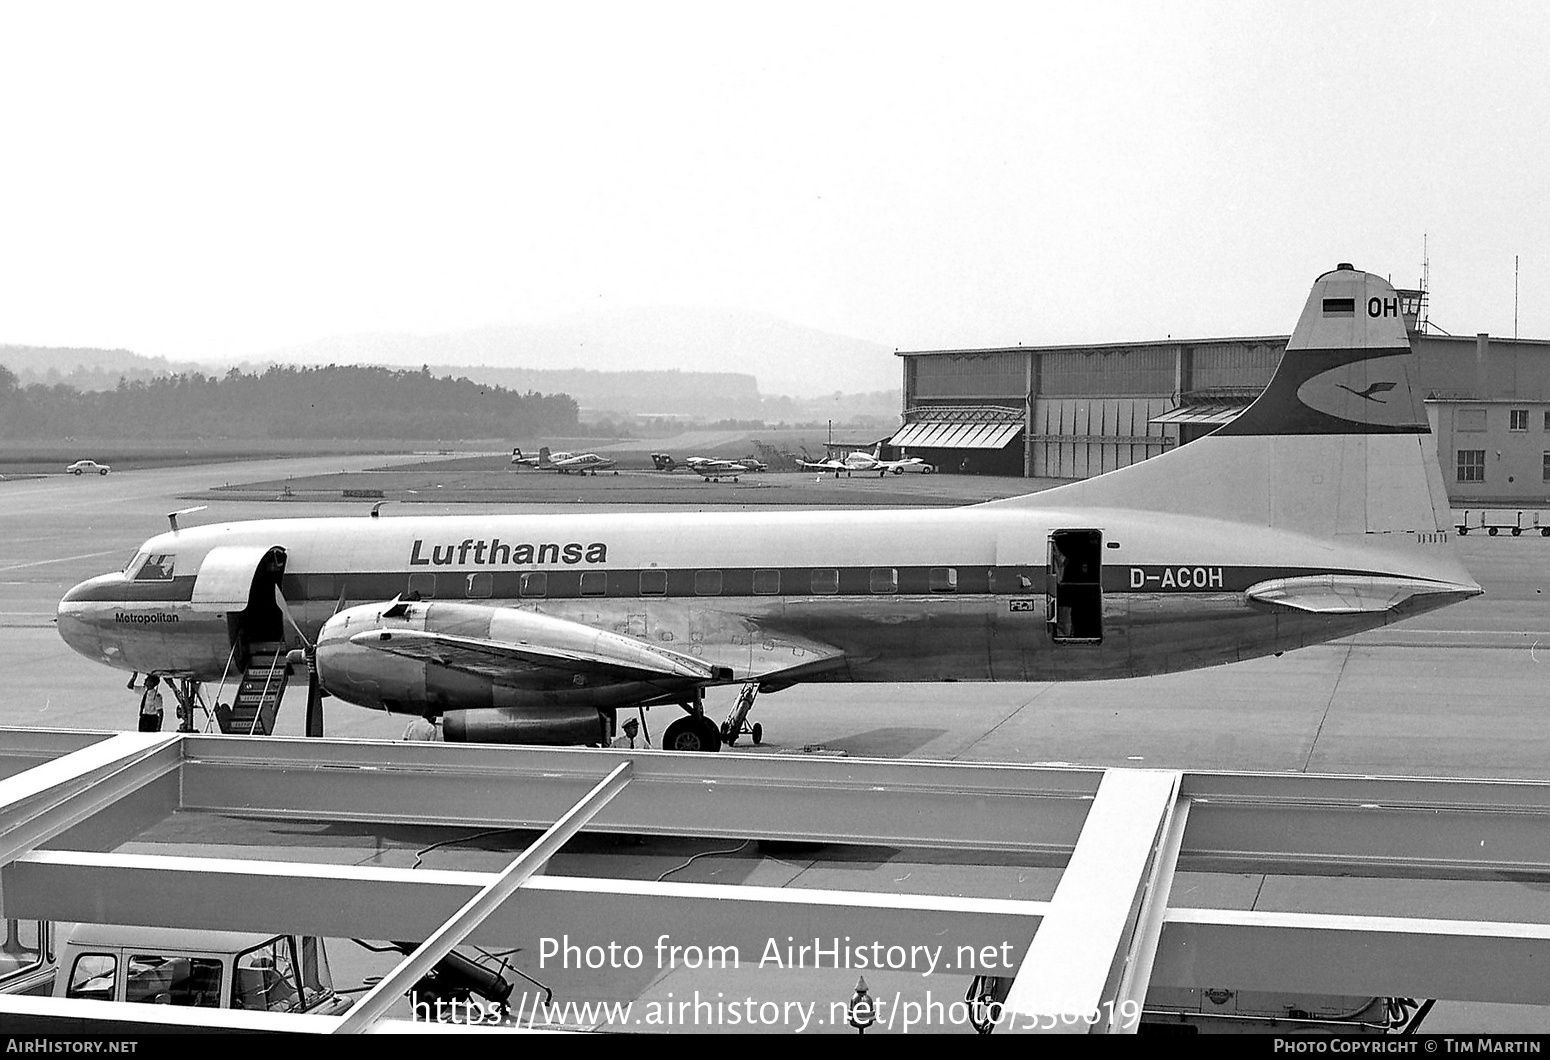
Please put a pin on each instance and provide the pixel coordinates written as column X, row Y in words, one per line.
column 22, row 947
column 266, row 978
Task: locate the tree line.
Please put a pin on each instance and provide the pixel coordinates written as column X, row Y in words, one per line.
column 350, row 401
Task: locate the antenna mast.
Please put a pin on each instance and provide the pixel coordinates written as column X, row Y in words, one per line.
column 1426, row 284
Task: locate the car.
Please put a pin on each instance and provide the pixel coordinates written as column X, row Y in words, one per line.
column 81, row 467
column 918, row 469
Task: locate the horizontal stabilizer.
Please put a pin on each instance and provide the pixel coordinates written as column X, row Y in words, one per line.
column 1339, row 594
column 619, row 656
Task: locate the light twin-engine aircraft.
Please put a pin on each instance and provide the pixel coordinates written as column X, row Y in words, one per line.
column 861, row 460
column 708, row 468
column 1317, row 513
column 565, row 463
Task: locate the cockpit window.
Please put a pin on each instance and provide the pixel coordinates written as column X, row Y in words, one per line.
column 158, row 567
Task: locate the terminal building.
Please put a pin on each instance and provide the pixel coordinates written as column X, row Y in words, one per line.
column 1071, row 412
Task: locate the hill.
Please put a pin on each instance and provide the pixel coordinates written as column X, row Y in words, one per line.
column 85, row 368
column 785, row 358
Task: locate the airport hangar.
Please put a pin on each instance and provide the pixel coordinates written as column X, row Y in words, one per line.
column 1071, row 412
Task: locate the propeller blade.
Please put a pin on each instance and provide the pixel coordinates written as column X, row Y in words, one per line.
column 314, row 701
column 285, row 609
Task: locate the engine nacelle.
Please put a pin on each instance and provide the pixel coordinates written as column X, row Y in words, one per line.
column 534, row 725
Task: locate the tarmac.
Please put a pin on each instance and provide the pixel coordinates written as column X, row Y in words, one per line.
column 1457, row 693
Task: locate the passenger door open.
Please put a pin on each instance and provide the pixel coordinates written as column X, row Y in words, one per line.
column 1074, row 586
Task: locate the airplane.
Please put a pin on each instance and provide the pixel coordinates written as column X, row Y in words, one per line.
column 1317, row 513
column 565, row 463
column 519, row 460
column 711, row 470
column 861, row 460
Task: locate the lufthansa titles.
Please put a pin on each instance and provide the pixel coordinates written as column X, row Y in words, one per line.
column 497, row 553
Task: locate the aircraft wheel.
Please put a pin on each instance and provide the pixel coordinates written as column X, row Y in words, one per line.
column 1463, row 531
column 728, row 737
column 1544, row 531
column 1516, row 531
column 1492, row 531
column 758, row 733
column 692, row 734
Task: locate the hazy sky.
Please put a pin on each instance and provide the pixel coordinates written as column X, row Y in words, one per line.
column 220, row 179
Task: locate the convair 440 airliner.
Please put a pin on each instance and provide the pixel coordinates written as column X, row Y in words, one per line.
column 1317, row 513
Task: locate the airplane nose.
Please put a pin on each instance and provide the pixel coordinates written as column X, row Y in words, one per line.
column 75, row 617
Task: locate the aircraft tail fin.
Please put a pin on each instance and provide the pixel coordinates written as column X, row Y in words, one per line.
column 1337, row 443
column 543, row 457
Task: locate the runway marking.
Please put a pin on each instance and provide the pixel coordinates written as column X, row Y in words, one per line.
column 64, row 559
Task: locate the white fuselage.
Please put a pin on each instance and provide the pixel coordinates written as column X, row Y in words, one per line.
column 940, row 595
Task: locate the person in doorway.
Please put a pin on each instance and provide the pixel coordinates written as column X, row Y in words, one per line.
column 150, row 705
column 422, row 728
column 630, row 739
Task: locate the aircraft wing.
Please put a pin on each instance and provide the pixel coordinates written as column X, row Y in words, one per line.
column 585, row 651
column 1340, row 594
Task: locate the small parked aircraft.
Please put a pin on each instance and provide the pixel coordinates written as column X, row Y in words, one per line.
column 711, row 470
column 861, row 460
column 565, row 463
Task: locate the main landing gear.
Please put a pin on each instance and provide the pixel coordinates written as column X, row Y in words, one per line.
column 694, row 733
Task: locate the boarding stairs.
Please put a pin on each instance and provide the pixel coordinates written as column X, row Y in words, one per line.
column 253, row 708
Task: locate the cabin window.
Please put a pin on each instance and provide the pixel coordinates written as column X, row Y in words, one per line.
column 92, row 976
column 653, row 583
column 707, row 583
column 766, row 582
column 422, row 586
column 885, row 580
column 320, row 587
column 193, row 982
column 944, row 579
column 1471, row 465
column 826, row 582
column 1517, row 419
column 156, row 568
column 481, row 586
column 594, row 583
column 535, row 583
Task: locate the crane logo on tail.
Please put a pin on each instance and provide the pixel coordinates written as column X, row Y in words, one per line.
column 1371, row 391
